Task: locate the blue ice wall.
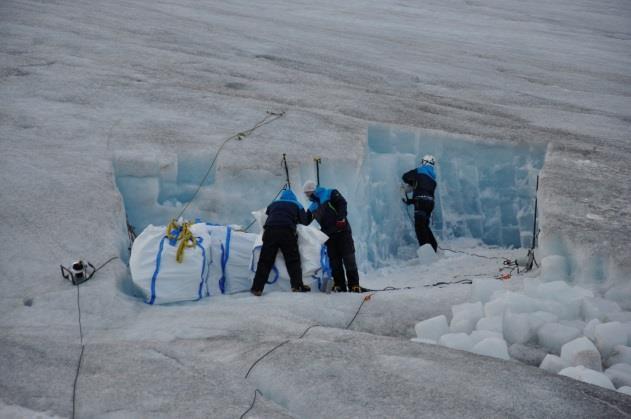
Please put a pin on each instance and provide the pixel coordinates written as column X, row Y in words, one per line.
column 485, row 190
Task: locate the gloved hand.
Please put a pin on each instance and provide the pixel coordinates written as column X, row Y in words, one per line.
column 340, row 224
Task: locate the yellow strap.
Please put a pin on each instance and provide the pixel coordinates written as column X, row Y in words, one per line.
column 186, row 238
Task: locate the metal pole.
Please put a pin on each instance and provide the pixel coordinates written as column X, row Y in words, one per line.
column 534, row 224
column 317, row 161
column 286, row 170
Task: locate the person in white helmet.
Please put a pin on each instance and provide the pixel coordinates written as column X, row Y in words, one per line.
column 328, row 207
column 422, row 180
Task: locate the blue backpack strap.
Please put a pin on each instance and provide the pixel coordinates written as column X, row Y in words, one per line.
column 154, row 278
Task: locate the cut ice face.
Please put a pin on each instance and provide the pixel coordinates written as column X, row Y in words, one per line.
column 485, row 191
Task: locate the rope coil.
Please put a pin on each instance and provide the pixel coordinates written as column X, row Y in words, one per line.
column 181, row 233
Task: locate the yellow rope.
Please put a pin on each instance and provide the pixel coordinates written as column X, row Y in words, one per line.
column 185, row 237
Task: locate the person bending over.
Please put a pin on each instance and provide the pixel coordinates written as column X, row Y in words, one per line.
column 279, row 232
column 328, row 207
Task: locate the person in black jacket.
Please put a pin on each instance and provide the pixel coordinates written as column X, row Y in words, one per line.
column 328, row 207
column 423, row 182
column 280, row 233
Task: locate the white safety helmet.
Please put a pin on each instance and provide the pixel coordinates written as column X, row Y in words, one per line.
column 428, row 159
column 309, row 186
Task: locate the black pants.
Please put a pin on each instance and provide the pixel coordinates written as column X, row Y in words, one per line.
column 286, row 240
column 422, row 211
column 341, row 249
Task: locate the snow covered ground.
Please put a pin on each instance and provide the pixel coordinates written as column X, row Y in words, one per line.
column 87, row 85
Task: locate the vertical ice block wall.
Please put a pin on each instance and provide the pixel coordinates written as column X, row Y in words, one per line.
column 485, row 190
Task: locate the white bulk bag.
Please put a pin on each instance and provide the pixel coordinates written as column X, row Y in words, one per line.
column 159, row 276
column 233, row 251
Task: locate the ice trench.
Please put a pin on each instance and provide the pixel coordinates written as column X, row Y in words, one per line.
column 486, row 190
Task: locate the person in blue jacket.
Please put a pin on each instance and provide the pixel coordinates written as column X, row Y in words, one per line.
column 423, row 182
column 328, row 207
column 280, row 233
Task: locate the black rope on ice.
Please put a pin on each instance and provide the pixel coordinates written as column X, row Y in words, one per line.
column 76, row 378
column 269, row 117
column 252, row 404
column 462, row 281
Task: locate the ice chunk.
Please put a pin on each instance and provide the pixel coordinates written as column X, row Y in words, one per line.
column 539, row 318
column 515, row 302
column 620, row 316
column 516, row 327
column 567, row 310
column 527, row 354
column 581, row 351
column 426, row 254
column 465, row 317
column 520, row 303
column 625, row 390
column 492, row 324
column 495, row 308
column 621, row 294
column 579, row 324
column 588, row 376
column 554, row 335
column 479, row 335
column 619, row 374
column 531, row 286
column 608, row 335
column 553, row 364
column 590, row 329
column 492, row 346
column 460, row 341
column 620, row 354
column 432, row 329
column 483, row 289
column 554, row 268
column 598, row 308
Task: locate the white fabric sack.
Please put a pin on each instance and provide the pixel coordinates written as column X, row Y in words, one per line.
column 160, row 277
column 313, row 259
column 232, row 251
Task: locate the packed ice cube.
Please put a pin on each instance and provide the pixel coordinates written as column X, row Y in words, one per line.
column 619, row 374
column 432, row 329
column 492, row 346
column 465, row 317
column 460, row 341
column 619, row 354
column 554, row 335
column 482, row 289
column 588, row 376
column 553, row 364
column 581, row 351
column 609, row 335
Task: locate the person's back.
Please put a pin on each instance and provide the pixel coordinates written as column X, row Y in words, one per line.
column 279, row 232
column 423, row 182
column 285, row 211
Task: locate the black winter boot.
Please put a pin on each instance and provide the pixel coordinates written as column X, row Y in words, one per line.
column 301, row 288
